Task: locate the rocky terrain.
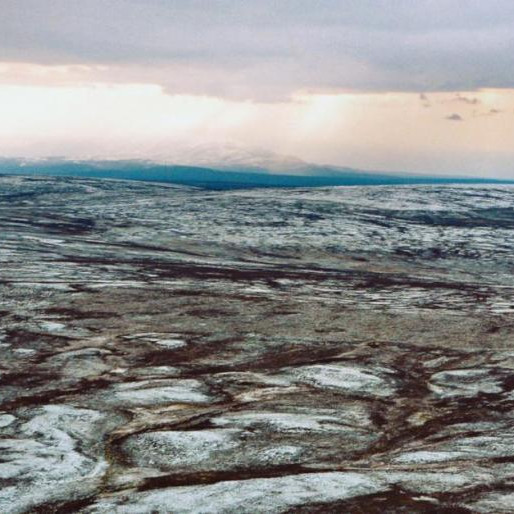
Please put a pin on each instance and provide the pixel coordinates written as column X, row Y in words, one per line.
column 170, row 349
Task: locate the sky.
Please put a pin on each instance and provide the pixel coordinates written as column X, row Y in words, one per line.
column 424, row 86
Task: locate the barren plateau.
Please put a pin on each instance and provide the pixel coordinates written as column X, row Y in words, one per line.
column 170, row 349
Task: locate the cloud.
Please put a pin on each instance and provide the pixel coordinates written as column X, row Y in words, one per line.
column 454, row 117
column 466, row 99
column 424, row 100
column 267, row 49
column 490, row 112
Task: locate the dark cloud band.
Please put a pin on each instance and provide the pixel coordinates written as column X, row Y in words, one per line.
column 268, row 49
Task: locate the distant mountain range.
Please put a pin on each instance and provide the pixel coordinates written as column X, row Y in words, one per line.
column 232, row 175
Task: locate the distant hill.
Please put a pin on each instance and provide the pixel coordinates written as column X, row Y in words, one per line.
column 211, row 178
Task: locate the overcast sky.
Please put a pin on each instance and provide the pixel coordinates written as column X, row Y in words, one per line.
column 424, row 84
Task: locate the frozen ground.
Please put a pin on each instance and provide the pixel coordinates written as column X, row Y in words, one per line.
column 168, row 349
